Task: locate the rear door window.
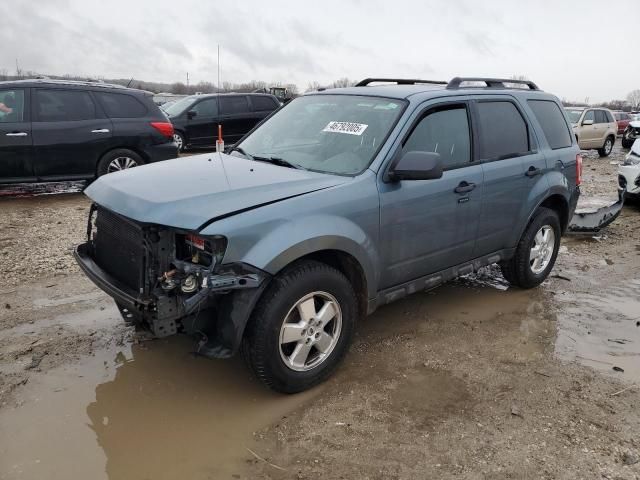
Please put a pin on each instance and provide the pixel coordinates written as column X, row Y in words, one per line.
column 445, row 131
column 503, row 131
column 601, row 116
column 261, row 104
column 552, row 121
column 63, row 105
column 234, row 105
column 11, row 106
column 610, row 117
column 121, row 105
column 206, row 108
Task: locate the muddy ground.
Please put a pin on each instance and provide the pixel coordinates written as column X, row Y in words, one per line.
column 470, row 380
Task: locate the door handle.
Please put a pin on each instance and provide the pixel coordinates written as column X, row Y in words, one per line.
column 533, row 171
column 100, row 130
column 464, row 187
column 17, row 134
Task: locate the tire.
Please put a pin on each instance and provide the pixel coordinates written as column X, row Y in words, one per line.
column 265, row 349
column 118, row 159
column 178, row 138
column 606, row 149
column 519, row 270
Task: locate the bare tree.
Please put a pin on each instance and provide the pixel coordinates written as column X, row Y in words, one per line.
column 634, row 99
column 312, row 86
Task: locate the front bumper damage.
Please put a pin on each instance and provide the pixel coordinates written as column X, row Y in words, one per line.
column 592, row 215
column 215, row 309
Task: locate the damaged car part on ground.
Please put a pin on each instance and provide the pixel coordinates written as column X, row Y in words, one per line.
column 342, row 201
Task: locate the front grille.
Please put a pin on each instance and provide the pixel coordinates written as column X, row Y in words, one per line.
column 118, row 246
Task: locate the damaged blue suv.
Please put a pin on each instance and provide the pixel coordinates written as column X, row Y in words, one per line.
column 341, row 201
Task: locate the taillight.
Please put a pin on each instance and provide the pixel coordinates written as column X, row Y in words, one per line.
column 165, row 128
column 578, row 169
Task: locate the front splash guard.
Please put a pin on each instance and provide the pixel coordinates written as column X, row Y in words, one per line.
column 591, row 218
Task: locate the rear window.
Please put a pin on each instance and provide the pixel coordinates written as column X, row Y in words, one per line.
column 233, row 105
column 261, row 104
column 121, row 105
column 552, row 121
column 63, row 105
column 503, row 131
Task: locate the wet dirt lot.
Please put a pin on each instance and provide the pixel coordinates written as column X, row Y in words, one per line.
column 470, row 380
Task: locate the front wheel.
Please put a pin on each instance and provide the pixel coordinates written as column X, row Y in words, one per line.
column 536, row 252
column 301, row 328
column 180, row 142
column 605, row 151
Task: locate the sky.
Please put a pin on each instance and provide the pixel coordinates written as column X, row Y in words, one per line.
column 561, row 45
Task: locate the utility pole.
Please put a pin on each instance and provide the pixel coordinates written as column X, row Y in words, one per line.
column 187, row 82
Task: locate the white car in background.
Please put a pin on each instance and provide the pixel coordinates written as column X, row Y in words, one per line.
column 629, row 171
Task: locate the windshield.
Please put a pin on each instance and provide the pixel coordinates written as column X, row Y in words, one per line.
column 574, row 115
column 337, row 134
column 176, row 108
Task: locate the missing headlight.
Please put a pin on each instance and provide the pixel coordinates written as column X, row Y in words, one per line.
column 199, row 250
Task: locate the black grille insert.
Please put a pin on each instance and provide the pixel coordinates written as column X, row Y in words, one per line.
column 119, row 247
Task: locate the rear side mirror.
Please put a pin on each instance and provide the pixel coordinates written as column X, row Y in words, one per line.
column 587, row 122
column 417, row 166
column 191, row 114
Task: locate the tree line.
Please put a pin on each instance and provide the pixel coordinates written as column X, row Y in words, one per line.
column 631, row 103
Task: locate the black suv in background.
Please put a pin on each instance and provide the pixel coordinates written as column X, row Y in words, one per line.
column 196, row 118
column 54, row 130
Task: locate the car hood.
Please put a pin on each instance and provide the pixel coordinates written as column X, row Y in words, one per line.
column 190, row 192
column 635, row 123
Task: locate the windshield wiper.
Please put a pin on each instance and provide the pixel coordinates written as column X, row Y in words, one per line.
column 242, row 152
column 278, row 161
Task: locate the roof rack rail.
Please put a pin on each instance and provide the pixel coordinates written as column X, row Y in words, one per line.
column 455, row 83
column 398, row 81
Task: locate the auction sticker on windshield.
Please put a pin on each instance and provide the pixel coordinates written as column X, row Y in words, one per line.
column 350, row 128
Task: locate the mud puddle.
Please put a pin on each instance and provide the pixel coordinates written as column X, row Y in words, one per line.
column 602, row 329
column 140, row 411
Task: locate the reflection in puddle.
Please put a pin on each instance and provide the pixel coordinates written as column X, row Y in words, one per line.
column 156, row 413
column 600, row 330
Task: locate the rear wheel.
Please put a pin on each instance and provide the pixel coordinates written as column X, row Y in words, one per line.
column 301, row 328
column 117, row 160
column 605, row 151
column 536, row 252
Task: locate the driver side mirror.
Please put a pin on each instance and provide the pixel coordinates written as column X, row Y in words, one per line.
column 417, row 166
column 587, row 122
column 191, row 114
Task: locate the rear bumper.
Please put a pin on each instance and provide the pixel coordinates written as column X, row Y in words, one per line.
column 162, row 151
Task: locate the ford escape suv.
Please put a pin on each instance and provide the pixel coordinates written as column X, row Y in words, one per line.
column 52, row 130
column 342, row 201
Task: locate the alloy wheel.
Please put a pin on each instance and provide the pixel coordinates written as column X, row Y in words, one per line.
column 121, row 163
column 178, row 140
column 542, row 250
column 310, row 331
